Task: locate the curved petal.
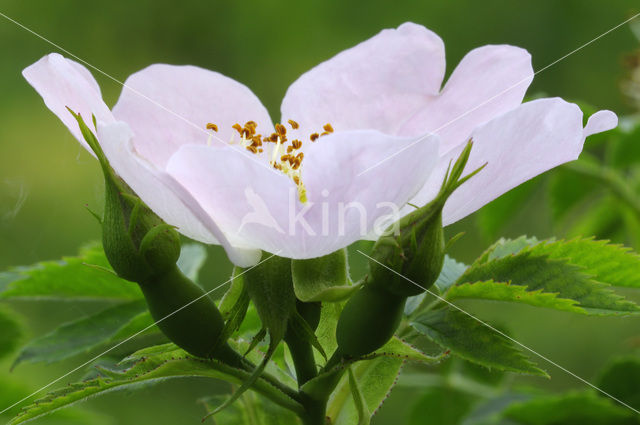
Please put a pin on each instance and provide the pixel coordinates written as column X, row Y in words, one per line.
column 516, row 146
column 164, row 195
column 64, row 83
column 262, row 207
column 248, row 199
column 168, row 106
column 374, row 85
column 359, row 181
column 599, row 122
column 487, row 82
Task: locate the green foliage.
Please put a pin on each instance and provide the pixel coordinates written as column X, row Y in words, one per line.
column 501, row 291
column 151, row 365
column 251, row 409
column 322, row 279
column 376, row 379
column 85, row 277
column 364, row 415
column 473, row 341
column 10, row 333
column 440, row 406
column 570, row 409
column 621, row 379
column 82, row 335
column 396, row 348
column 613, row 264
column 549, row 269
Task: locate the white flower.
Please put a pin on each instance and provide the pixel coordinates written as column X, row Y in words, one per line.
column 389, row 134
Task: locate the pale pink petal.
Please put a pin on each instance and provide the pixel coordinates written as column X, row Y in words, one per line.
column 374, row 85
column 163, row 194
column 599, row 122
column 363, row 179
column 262, row 206
column 488, row 82
column 516, row 146
column 64, row 83
column 248, row 199
column 168, row 106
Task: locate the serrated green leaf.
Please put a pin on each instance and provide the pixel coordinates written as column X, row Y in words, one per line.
column 85, row 277
column 534, row 269
column 396, row 348
column 613, row 264
column 155, row 364
column 621, row 379
column 504, row 247
column 191, row 260
column 139, row 325
column 500, row 291
column 473, row 341
column 322, row 279
column 575, row 408
column 80, row 336
column 376, row 379
column 10, row 332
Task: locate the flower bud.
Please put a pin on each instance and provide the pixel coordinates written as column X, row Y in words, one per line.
column 409, row 261
column 142, row 248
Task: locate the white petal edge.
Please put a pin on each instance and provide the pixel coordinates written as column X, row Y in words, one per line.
column 517, row 146
column 64, row 83
column 164, row 195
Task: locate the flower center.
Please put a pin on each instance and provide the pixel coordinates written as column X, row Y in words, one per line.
column 283, row 157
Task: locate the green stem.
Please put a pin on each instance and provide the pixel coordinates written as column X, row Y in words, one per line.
column 294, row 395
column 303, row 359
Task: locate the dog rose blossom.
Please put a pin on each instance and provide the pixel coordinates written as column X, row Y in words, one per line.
column 361, row 136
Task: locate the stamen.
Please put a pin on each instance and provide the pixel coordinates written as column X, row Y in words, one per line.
column 287, row 162
column 238, row 128
column 281, row 129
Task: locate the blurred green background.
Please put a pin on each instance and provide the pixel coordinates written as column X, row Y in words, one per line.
column 46, row 178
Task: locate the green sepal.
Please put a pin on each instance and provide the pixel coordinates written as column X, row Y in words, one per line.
column 127, row 222
column 302, row 331
column 257, row 339
column 323, row 279
column 408, row 259
column 271, row 290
